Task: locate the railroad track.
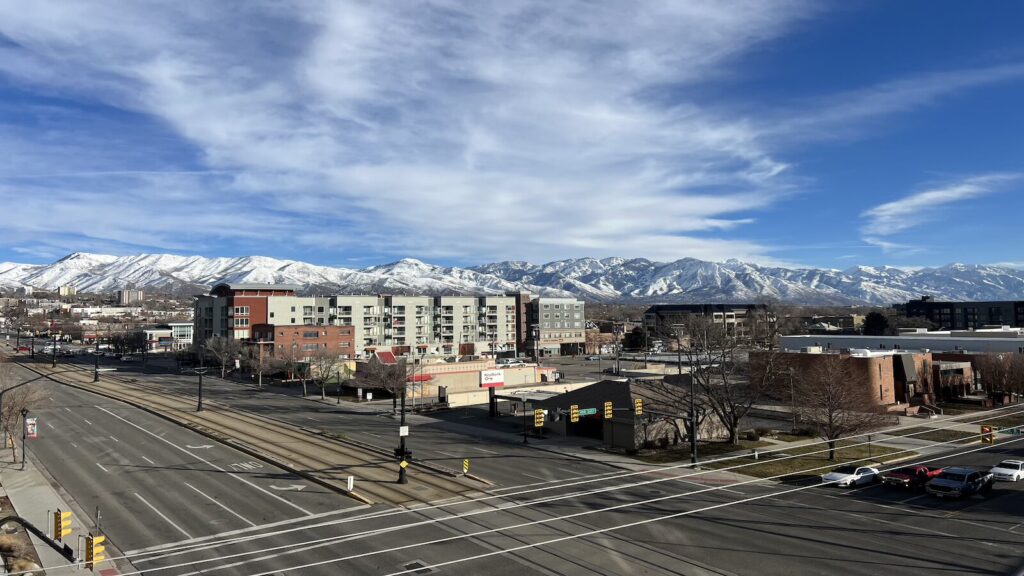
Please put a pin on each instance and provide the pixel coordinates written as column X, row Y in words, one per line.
column 316, row 457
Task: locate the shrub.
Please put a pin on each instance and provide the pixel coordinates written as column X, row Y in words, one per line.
column 753, row 436
column 763, row 431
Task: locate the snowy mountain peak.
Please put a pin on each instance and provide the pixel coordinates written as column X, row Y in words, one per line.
column 604, row 280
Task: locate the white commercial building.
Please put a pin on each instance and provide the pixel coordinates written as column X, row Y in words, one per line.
column 1000, row 340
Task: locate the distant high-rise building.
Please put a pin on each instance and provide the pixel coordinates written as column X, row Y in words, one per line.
column 66, row 291
column 126, row 297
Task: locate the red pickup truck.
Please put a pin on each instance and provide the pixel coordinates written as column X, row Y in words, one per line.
column 910, row 476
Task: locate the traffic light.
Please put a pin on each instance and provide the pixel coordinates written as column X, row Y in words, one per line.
column 538, row 418
column 94, row 551
column 574, row 413
column 61, row 525
column 987, row 437
column 638, row 406
column 607, row 410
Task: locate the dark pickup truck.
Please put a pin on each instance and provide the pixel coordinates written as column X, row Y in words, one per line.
column 910, row 476
column 956, row 482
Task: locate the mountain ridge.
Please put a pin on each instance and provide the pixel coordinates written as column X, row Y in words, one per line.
column 612, row 279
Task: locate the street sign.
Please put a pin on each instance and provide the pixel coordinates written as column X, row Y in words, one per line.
column 351, row 483
column 403, row 431
column 31, row 427
column 588, row 411
column 608, row 411
column 369, row 396
column 359, row 393
column 574, row 413
column 538, row 418
column 465, row 466
column 638, row 406
column 403, row 464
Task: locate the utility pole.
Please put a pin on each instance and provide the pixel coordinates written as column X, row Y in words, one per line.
column 33, row 346
column 54, row 350
column 525, row 423
column 202, row 369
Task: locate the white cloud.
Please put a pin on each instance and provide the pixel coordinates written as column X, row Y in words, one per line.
column 906, row 213
column 470, row 131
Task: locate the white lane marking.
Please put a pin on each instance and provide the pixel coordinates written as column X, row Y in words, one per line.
column 148, row 460
column 50, row 425
column 87, row 422
column 221, row 504
column 448, row 454
column 102, row 468
column 698, row 484
column 161, row 514
column 75, row 445
column 68, row 409
column 483, row 449
column 208, row 463
column 374, row 435
column 528, row 475
column 912, row 498
column 279, row 523
column 114, row 439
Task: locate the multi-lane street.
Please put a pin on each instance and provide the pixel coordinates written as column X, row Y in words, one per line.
column 160, row 487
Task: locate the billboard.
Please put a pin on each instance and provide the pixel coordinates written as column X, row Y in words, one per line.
column 492, row 378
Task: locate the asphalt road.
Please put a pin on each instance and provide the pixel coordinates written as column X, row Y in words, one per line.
column 677, row 526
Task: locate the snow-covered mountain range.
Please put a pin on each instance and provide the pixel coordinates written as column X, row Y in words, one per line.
column 604, row 280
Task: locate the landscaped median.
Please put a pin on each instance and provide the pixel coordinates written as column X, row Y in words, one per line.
column 810, row 460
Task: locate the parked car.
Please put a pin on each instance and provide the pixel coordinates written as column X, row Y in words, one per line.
column 958, row 481
column 23, row 349
column 129, row 358
column 510, row 362
column 1008, row 470
column 910, row 476
column 851, row 476
column 593, row 357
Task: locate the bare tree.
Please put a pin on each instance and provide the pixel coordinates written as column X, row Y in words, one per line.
column 223, row 349
column 323, row 364
column 289, row 360
column 721, row 373
column 831, row 400
column 15, row 400
column 995, row 371
column 258, row 361
column 390, row 377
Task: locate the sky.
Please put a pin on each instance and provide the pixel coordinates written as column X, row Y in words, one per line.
column 353, row 133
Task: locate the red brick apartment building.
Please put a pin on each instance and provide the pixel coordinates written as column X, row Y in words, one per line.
column 305, row 340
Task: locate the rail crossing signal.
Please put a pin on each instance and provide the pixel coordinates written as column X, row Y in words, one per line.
column 94, row 549
column 574, row 413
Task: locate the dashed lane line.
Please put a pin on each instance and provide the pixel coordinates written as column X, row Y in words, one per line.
column 221, row 504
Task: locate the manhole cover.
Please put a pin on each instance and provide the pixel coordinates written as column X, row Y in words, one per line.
column 418, row 567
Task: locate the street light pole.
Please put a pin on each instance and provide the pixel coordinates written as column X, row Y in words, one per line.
column 202, row 368
column 24, row 414
column 96, row 359
column 402, row 479
column 54, row 350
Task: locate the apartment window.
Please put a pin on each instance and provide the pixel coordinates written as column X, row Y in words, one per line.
column 547, row 306
column 310, row 334
column 344, row 344
column 271, row 314
column 293, row 319
column 546, row 316
column 320, row 309
column 293, row 308
column 310, row 346
column 578, row 307
column 241, row 322
column 241, row 310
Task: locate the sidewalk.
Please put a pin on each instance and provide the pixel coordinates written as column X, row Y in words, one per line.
column 34, row 499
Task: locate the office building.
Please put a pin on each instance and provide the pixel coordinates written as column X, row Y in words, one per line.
column 967, row 315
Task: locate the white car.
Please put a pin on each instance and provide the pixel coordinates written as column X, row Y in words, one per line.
column 851, row 476
column 1009, row 470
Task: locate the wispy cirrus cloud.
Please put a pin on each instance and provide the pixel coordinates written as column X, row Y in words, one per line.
column 911, row 211
column 465, row 131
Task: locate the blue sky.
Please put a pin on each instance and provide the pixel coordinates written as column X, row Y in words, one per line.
column 459, row 133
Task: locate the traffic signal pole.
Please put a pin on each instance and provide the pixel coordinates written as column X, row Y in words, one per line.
column 402, row 479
